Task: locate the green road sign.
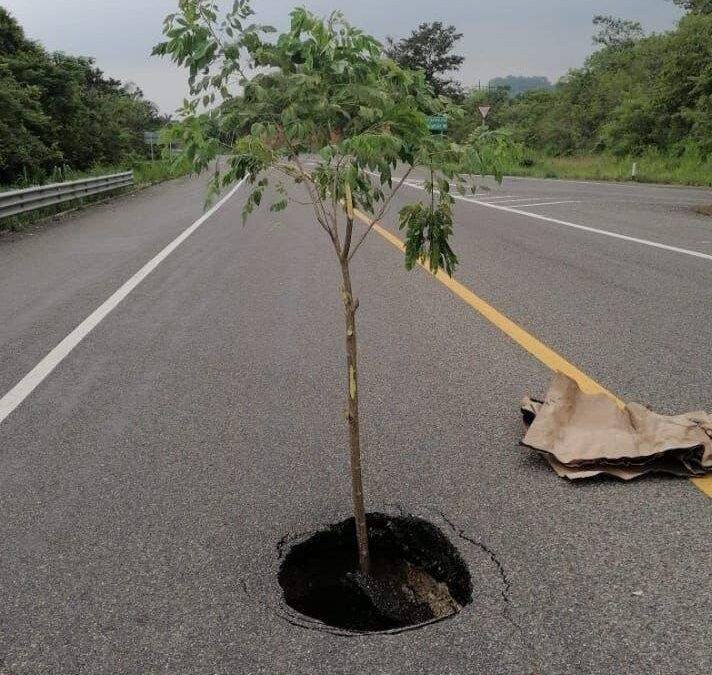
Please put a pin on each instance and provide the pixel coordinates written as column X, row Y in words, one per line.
column 437, row 123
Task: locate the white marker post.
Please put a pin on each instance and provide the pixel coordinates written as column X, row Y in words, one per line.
column 150, row 137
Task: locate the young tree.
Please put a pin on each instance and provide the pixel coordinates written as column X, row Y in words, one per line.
column 322, row 88
column 429, row 48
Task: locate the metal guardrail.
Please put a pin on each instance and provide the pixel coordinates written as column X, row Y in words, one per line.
column 13, row 202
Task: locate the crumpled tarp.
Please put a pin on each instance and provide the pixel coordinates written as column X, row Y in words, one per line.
column 583, row 435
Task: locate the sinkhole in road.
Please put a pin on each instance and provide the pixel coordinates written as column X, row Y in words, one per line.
column 417, row 576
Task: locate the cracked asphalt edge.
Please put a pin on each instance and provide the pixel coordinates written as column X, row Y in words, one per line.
column 505, row 586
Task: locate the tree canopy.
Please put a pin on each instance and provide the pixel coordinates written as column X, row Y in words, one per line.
column 632, row 94
column 323, row 88
column 58, row 110
column 695, row 6
column 430, row 48
column 614, row 32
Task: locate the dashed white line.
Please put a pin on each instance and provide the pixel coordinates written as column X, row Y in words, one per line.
column 34, row 378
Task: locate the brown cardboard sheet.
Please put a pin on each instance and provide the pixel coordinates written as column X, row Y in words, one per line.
column 584, row 435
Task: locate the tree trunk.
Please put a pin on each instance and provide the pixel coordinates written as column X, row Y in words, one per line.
column 350, row 306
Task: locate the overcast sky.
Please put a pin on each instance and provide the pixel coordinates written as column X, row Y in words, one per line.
column 501, row 37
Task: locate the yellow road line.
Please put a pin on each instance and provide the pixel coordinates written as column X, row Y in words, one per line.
column 704, row 483
column 526, row 340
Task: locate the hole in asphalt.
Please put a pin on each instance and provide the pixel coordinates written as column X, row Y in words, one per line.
column 417, row 576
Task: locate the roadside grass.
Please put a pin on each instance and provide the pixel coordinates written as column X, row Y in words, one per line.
column 63, row 174
column 652, row 167
column 148, row 172
column 145, row 173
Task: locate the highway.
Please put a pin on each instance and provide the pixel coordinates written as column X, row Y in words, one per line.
column 151, row 464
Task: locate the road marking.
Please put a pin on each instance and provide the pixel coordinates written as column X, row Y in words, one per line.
column 34, row 378
column 535, row 347
column 502, row 200
column 547, row 356
column 584, row 228
column 704, row 484
column 505, row 197
column 567, row 201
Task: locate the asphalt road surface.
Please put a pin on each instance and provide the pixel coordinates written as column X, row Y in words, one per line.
column 158, row 457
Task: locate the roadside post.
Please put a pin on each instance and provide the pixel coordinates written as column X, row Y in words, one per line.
column 150, row 138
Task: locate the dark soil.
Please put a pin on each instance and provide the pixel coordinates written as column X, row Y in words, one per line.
column 417, row 576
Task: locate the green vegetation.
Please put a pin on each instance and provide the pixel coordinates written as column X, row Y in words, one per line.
column 146, row 172
column 637, row 98
column 652, row 167
column 60, row 115
column 61, row 119
column 644, row 99
column 632, row 96
column 322, row 88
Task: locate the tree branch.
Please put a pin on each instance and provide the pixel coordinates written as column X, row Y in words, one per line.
column 314, row 193
column 379, row 215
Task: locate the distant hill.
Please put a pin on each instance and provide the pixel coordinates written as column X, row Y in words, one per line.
column 518, row 84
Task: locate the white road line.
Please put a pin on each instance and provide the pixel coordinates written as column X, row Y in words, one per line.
column 34, row 378
column 567, row 201
column 584, row 228
column 505, row 200
column 503, row 197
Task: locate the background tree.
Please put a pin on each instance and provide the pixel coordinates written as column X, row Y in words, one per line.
column 58, row 110
column 324, row 89
column 695, row 6
column 613, row 32
column 429, row 48
column 634, row 95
